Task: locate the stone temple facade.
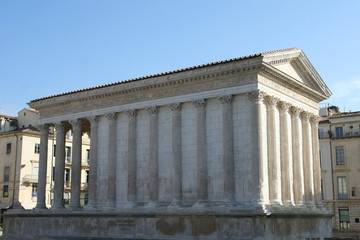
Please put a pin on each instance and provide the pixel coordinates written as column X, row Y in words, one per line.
column 226, row 150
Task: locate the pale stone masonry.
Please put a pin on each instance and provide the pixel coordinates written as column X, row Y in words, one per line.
column 339, row 140
column 222, row 150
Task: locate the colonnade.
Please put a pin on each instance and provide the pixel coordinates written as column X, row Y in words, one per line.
column 284, row 152
column 289, row 171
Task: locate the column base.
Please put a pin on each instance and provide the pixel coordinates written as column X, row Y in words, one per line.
column 75, row 207
column 40, row 207
column 175, row 203
column 57, row 207
column 201, row 204
column 151, row 204
column 288, row 204
column 127, row 205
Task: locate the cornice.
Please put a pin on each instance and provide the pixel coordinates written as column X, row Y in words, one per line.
column 286, row 80
column 133, row 90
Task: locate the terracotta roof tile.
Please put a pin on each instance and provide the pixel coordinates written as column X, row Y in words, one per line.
column 2, row 115
column 166, row 73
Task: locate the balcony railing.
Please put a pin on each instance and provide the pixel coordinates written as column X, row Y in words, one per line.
column 29, row 178
column 331, row 135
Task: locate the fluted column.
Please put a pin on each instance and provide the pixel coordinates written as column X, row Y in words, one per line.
column 274, row 151
column 316, row 160
column 308, row 159
column 259, row 142
column 176, row 168
column 153, row 156
column 93, row 161
column 76, row 164
column 286, row 155
column 297, row 152
column 201, row 164
column 59, row 166
column 41, row 194
column 111, row 160
column 228, row 148
column 131, row 159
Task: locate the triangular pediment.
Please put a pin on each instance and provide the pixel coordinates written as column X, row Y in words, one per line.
column 298, row 67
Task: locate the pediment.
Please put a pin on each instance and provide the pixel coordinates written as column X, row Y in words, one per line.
column 298, row 67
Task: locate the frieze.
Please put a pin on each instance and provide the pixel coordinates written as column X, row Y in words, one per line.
column 148, row 93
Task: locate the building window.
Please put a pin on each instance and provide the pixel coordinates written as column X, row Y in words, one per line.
column 339, row 132
column 342, row 190
column 87, row 156
column 68, row 154
column 54, row 150
column 37, row 148
column 67, row 177
column 34, row 192
column 344, row 218
column 53, row 173
column 0, row 124
column 6, row 174
column 86, row 199
column 87, row 176
column 340, row 156
column 6, row 191
column 8, row 148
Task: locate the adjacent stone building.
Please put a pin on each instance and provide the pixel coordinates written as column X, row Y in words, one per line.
column 339, row 135
column 19, row 162
column 223, row 150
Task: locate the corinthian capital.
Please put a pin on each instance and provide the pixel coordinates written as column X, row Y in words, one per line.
column 306, row 115
column 284, row 106
column 271, row 100
column 43, row 127
column 199, row 103
column 152, row 110
column 295, row 111
column 256, row 96
column 315, row 119
column 76, row 124
column 175, row 106
column 225, row 99
column 60, row 127
column 130, row 113
column 111, row 116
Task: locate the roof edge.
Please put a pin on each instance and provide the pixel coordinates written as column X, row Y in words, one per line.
column 166, row 73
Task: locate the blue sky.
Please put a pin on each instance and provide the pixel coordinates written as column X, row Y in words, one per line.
column 51, row 47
